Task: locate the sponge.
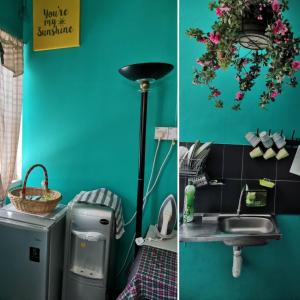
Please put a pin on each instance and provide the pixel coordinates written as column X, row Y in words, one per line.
column 267, row 183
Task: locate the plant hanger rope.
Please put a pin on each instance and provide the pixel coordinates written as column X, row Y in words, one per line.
column 258, row 25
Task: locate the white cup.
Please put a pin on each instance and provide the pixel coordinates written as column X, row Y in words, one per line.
column 279, row 140
column 269, row 154
column 266, row 139
column 256, row 152
column 252, row 139
column 282, row 154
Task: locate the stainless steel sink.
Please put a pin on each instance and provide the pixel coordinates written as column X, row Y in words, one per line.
column 247, row 225
column 233, row 230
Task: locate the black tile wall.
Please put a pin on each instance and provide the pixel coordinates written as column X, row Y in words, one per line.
column 183, row 181
column 233, row 157
column 287, row 197
column 213, row 162
column 208, row 199
column 230, row 195
column 233, row 165
column 283, row 167
column 258, row 168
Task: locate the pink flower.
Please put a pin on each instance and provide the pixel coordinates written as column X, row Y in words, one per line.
column 239, row 96
column 279, row 28
column 202, row 40
column 274, row 94
column 221, row 10
column 296, row 65
column 275, row 5
column 277, row 41
column 203, row 63
column 245, row 62
column 200, row 62
column 225, row 8
column 217, row 67
column 216, row 93
column 260, row 17
column 214, row 37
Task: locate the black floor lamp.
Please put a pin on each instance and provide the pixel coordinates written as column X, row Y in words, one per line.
column 144, row 74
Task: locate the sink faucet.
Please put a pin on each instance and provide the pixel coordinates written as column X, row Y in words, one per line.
column 245, row 188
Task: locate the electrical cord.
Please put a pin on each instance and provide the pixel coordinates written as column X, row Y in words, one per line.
column 158, row 174
column 148, row 192
column 149, row 182
column 126, row 258
column 146, row 197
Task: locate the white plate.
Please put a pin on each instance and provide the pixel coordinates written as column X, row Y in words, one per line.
column 203, row 155
column 202, row 148
column 191, row 153
column 182, row 152
column 184, row 160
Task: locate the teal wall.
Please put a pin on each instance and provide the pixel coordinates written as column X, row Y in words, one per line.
column 270, row 272
column 11, row 17
column 81, row 118
column 224, row 125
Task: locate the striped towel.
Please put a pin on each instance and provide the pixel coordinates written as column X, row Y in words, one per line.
column 107, row 198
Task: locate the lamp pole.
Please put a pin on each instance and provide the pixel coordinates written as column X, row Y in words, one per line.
column 144, row 88
column 143, row 73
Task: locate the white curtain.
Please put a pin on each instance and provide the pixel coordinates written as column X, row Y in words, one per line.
column 11, row 71
column 12, row 53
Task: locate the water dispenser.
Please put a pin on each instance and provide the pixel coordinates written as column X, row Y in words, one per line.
column 88, row 251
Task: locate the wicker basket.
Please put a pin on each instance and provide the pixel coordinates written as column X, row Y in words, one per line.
column 17, row 196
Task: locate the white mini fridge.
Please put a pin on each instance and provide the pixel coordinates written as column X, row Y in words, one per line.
column 31, row 254
column 88, row 252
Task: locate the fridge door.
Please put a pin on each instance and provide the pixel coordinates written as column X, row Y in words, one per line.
column 23, row 261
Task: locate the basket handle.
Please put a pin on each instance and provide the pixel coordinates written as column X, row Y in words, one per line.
column 27, row 174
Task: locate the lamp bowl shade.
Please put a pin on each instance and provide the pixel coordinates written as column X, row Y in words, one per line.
column 152, row 70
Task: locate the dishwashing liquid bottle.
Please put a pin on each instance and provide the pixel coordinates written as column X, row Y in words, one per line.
column 189, row 199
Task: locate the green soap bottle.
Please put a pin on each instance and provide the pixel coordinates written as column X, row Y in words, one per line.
column 189, row 199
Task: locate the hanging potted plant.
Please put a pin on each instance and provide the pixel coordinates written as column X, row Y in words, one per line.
column 260, row 27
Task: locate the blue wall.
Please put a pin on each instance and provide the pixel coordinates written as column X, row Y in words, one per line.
column 11, row 19
column 270, row 272
column 81, row 118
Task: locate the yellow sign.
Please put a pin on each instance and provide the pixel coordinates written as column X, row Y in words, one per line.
column 55, row 24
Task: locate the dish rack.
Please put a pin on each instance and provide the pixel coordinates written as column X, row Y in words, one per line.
column 192, row 164
column 192, row 167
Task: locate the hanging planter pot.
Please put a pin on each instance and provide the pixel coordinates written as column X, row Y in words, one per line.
column 256, row 25
column 253, row 29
